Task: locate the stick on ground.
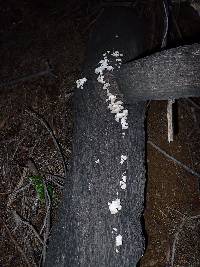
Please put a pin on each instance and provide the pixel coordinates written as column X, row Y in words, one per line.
column 49, row 129
column 188, row 169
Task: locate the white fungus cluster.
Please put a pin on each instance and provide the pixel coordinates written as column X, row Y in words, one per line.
column 80, row 83
column 115, row 106
column 123, row 159
column 104, row 65
column 114, row 206
column 118, row 241
column 123, row 181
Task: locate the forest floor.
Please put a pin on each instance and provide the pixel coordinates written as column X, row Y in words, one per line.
column 42, row 48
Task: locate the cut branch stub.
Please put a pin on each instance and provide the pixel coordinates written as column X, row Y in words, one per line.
column 173, row 73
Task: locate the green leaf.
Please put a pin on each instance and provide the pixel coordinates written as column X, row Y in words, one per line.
column 38, row 184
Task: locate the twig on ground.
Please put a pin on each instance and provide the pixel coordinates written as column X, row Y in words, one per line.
column 5, row 167
column 17, row 147
column 170, row 120
column 38, row 141
column 176, row 235
column 164, row 40
column 46, row 225
column 176, row 238
column 19, row 188
column 177, row 211
column 48, row 208
column 28, row 224
column 49, row 129
column 56, row 176
column 173, row 159
column 52, row 179
column 13, row 195
column 25, row 78
column 17, row 245
column 168, row 253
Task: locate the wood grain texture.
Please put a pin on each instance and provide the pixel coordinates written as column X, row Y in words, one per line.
column 173, row 73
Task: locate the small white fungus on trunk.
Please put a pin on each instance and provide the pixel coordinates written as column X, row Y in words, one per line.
column 118, row 241
column 80, row 83
column 123, row 159
column 114, row 206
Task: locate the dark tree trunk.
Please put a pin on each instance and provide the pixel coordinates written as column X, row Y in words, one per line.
column 84, row 235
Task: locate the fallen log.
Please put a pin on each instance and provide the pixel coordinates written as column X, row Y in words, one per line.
column 100, row 221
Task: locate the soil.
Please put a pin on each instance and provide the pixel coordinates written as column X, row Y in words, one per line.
column 42, row 49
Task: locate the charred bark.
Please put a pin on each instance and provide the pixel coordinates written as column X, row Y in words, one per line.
column 84, row 235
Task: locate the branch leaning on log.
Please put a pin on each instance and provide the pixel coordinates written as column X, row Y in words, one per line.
column 170, row 74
